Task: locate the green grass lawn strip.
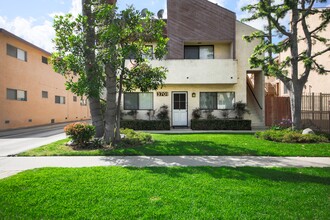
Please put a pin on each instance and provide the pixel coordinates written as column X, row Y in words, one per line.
column 194, row 144
column 167, row 193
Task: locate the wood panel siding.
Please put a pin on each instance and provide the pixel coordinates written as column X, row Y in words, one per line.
column 197, row 21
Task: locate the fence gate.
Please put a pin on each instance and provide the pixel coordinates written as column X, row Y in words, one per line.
column 315, row 111
column 276, row 109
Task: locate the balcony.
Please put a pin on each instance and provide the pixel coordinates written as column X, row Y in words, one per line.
column 215, row 71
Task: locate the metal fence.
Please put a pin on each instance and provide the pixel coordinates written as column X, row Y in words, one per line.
column 315, row 111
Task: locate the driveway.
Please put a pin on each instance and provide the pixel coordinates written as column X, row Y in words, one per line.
column 20, row 140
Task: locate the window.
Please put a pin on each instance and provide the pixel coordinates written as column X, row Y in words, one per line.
column 44, row 94
column 138, row 101
column 13, row 94
column 217, row 100
column 149, row 54
column 199, row 52
column 17, row 53
column 44, row 60
column 75, row 98
column 59, row 99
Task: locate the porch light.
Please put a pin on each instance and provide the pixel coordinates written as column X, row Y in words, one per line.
column 193, row 95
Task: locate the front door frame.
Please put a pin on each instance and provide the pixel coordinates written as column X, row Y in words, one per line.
column 172, row 110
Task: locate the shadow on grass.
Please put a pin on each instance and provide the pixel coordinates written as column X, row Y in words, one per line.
column 292, row 175
column 180, row 148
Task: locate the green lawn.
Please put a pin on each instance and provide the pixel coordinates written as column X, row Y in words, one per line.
column 196, row 144
column 167, row 193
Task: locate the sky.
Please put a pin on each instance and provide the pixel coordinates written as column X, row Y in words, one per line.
column 32, row 20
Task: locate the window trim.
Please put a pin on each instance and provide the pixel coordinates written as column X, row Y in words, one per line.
column 44, row 96
column 217, row 100
column 16, row 96
column 62, row 100
column 138, row 100
column 199, row 52
column 44, row 60
column 16, row 54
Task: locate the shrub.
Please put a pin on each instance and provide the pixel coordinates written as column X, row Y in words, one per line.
column 133, row 138
column 146, row 124
column 133, row 113
column 163, row 113
column 240, row 109
column 80, row 133
column 289, row 136
column 196, row 113
column 209, row 114
column 225, row 114
column 283, row 124
column 220, row 124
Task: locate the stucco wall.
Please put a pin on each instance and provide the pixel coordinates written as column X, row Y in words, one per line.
column 316, row 83
column 210, row 71
column 34, row 77
column 245, row 50
column 193, row 102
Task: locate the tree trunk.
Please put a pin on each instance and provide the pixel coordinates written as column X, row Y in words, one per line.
column 295, row 102
column 120, row 92
column 97, row 119
column 110, row 115
column 94, row 101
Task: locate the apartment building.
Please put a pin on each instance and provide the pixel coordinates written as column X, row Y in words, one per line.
column 207, row 66
column 316, row 83
column 31, row 93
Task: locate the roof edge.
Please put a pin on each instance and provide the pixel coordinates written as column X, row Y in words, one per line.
column 24, row 41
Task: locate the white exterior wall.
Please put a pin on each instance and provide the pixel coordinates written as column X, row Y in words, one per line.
column 220, row 71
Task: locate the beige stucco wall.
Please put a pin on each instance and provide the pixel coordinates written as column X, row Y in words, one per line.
column 209, row 71
column 316, row 83
column 243, row 52
column 222, row 74
column 193, row 102
column 34, row 77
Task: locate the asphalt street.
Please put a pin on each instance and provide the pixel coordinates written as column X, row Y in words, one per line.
column 16, row 141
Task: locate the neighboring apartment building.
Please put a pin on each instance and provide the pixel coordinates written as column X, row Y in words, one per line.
column 207, row 66
column 316, row 83
column 31, row 93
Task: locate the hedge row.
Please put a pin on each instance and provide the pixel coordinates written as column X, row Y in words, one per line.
column 146, row 124
column 220, row 124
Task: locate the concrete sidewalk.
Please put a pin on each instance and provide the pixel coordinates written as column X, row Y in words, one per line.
column 12, row 165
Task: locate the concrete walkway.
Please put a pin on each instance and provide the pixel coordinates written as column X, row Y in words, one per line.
column 12, row 165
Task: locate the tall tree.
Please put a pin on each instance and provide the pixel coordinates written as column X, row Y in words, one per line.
column 299, row 12
column 91, row 68
column 124, row 36
column 107, row 48
column 75, row 55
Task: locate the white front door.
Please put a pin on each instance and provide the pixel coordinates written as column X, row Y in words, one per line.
column 180, row 109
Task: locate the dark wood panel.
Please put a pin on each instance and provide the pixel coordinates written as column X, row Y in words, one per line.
column 197, row 21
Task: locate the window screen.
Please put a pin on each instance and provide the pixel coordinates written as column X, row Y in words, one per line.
column 191, row 52
column 44, row 94
column 14, row 94
column 138, row 101
column 11, row 50
column 217, row 100
column 226, row 100
column 208, row 100
column 206, row 52
column 11, row 94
